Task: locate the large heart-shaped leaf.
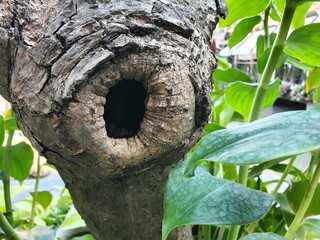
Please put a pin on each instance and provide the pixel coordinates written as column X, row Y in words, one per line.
column 240, row 96
column 207, row 200
column 263, row 236
column 278, row 136
column 304, row 43
column 230, row 75
column 239, row 9
column 242, row 30
column 21, row 159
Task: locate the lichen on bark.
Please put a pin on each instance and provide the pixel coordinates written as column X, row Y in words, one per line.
column 60, row 60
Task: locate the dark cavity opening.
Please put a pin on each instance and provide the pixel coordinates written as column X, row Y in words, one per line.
column 124, row 109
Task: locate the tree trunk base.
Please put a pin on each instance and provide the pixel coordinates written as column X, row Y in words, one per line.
column 120, row 208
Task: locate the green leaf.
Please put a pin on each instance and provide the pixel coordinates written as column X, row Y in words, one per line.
column 242, row 30
column 226, row 115
column 10, row 122
column 43, row 198
column 260, row 44
column 304, row 43
column 263, row 236
column 9, row 114
column 222, row 112
column 73, row 220
column 255, row 171
column 280, row 168
column 280, row 4
column 229, row 172
column 313, row 224
column 212, row 127
column 209, row 128
column 84, row 237
column 298, row 64
column 239, row 9
column 275, row 14
column 300, row 15
column 240, row 96
column 285, row 208
column 222, row 62
column 262, row 62
column 231, row 75
column 278, row 136
column 301, row 233
column 207, row 200
column 295, row 194
column 316, row 95
column 1, row 130
column 21, row 161
column 217, row 108
column 313, row 80
column 314, row 106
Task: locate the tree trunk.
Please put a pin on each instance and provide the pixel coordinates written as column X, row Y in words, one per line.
column 114, row 93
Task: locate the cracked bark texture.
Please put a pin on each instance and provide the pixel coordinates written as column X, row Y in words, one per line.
column 59, row 58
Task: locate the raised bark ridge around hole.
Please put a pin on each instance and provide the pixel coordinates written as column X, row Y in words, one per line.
column 84, row 50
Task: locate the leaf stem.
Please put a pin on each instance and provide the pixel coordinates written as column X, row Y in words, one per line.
column 36, row 187
column 304, row 204
column 284, row 175
column 266, row 28
column 275, row 53
column 233, row 232
column 221, row 232
column 313, row 162
column 6, row 176
column 7, row 228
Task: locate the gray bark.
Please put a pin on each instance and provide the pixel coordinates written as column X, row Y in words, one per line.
column 59, row 60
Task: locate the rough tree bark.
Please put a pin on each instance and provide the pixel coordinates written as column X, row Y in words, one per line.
column 60, row 58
